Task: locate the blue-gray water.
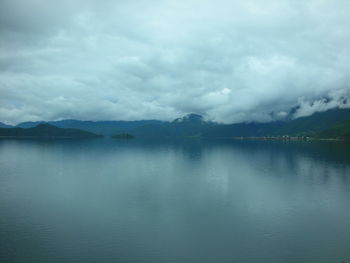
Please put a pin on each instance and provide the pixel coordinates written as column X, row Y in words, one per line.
column 174, row 201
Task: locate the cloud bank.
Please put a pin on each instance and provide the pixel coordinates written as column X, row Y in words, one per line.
column 232, row 61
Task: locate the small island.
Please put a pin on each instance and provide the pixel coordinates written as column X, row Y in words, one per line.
column 124, row 136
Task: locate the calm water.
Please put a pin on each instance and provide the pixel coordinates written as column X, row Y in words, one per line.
column 177, row 201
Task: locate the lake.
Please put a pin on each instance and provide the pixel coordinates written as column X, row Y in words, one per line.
column 176, row 201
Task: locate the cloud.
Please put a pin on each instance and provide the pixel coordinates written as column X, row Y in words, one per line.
column 230, row 60
column 335, row 99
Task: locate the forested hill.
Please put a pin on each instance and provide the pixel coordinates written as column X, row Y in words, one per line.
column 3, row 125
column 45, row 131
column 192, row 125
column 341, row 129
column 327, row 124
column 99, row 127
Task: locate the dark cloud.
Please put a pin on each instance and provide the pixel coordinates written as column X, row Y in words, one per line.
column 230, row 60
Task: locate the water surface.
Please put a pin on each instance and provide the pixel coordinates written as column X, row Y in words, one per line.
column 174, row 201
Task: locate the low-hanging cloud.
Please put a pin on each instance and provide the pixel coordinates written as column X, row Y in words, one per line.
column 232, row 61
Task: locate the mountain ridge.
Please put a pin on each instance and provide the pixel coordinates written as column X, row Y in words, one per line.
column 194, row 125
column 186, row 127
column 45, row 131
column 100, row 127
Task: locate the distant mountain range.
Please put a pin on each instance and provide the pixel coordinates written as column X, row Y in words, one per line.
column 317, row 125
column 99, row 127
column 45, row 131
column 329, row 124
column 3, row 125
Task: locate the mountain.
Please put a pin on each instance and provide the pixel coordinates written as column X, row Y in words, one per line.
column 99, row 127
column 251, row 129
column 340, row 130
column 315, row 123
column 3, row 125
column 327, row 123
column 193, row 125
column 304, row 126
column 46, row 131
column 190, row 118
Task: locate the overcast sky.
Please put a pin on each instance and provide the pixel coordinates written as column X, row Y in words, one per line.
column 229, row 60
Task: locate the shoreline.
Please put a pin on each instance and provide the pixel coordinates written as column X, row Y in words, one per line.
column 290, row 138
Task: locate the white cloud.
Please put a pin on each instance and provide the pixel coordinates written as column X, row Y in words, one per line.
column 335, row 99
column 231, row 60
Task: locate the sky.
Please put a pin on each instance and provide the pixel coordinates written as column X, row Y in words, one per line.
column 229, row 60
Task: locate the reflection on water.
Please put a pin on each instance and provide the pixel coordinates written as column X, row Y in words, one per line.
column 174, row 201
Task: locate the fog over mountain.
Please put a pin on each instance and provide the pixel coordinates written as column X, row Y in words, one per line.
column 230, row 61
